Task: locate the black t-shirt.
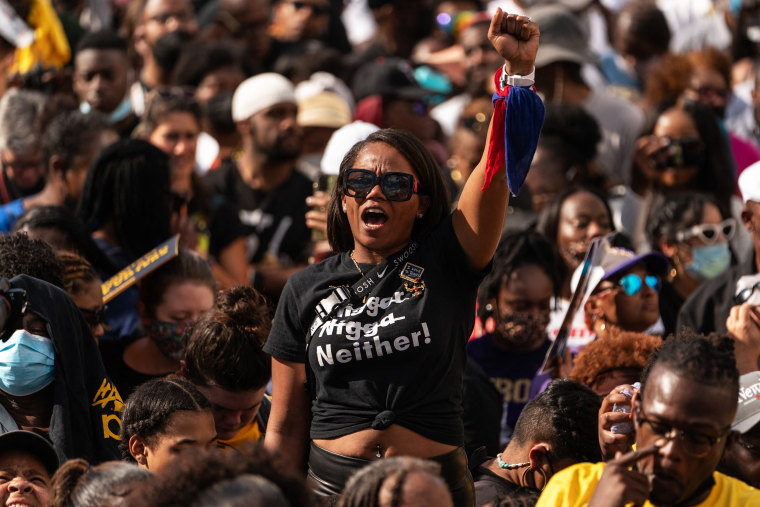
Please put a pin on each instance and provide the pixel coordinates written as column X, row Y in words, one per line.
column 400, row 356
column 273, row 220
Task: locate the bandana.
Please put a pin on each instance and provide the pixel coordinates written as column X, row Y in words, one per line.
column 518, row 115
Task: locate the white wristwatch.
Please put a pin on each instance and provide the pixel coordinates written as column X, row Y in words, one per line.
column 517, row 79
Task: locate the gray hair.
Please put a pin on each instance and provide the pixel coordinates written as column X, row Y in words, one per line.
column 20, row 111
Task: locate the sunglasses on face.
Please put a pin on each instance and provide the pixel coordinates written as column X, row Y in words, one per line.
column 395, row 186
column 94, row 317
column 745, row 294
column 683, row 152
column 632, row 284
column 709, row 233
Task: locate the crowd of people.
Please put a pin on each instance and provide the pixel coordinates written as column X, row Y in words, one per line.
column 429, row 253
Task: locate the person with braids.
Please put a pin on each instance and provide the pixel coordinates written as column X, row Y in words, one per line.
column 127, row 207
column 162, row 419
column 555, row 430
column 516, row 296
column 400, row 481
column 171, row 298
column 615, row 359
column 211, row 227
column 693, row 233
column 82, row 284
column 224, row 360
column 77, row 484
column 681, row 421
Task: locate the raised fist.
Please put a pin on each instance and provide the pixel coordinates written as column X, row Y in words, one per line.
column 516, row 39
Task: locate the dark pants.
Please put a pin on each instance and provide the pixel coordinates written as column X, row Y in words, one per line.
column 329, row 472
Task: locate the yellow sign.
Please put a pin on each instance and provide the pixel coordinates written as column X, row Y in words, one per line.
column 128, row 276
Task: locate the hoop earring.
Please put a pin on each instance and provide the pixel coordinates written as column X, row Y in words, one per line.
column 540, row 470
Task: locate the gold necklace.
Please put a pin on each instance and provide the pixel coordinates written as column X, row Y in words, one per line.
column 356, row 263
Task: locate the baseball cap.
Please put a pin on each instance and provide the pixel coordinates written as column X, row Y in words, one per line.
column 748, row 407
column 749, row 183
column 562, row 36
column 325, row 109
column 260, row 92
column 610, row 261
column 389, row 77
column 32, row 443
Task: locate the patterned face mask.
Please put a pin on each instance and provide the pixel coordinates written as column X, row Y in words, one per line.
column 168, row 337
column 522, row 328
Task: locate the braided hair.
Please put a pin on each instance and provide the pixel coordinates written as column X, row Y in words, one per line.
column 148, row 410
column 77, row 484
column 565, row 415
column 77, row 272
column 363, row 488
column 707, row 360
column 224, row 348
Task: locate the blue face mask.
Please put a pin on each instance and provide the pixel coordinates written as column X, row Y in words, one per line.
column 709, row 261
column 27, row 363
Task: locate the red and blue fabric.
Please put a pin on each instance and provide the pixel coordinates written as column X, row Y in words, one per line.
column 518, row 116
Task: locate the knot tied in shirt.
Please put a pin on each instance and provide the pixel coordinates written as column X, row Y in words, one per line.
column 383, row 420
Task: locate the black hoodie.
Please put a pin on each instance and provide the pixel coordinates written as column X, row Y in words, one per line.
column 85, row 420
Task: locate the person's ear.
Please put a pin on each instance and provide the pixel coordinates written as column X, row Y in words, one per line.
column 538, row 455
column 668, row 248
column 423, row 206
column 139, row 450
column 592, row 306
column 746, row 216
column 55, row 166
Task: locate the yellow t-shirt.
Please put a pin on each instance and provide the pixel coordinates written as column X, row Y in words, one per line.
column 575, row 485
column 246, row 435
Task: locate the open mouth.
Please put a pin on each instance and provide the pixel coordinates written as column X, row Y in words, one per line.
column 374, row 218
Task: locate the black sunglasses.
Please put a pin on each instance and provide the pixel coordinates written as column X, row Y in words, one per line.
column 395, row 186
column 94, row 317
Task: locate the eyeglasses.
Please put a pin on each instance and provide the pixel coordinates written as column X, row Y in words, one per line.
column 745, row 294
column 694, row 443
column 94, row 316
column 395, row 186
column 709, row 233
column 317, row 10
column 632, row 284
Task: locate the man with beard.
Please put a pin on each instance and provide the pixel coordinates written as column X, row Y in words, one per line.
column 262, row 182
column 517, row 297
column 682, row 422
